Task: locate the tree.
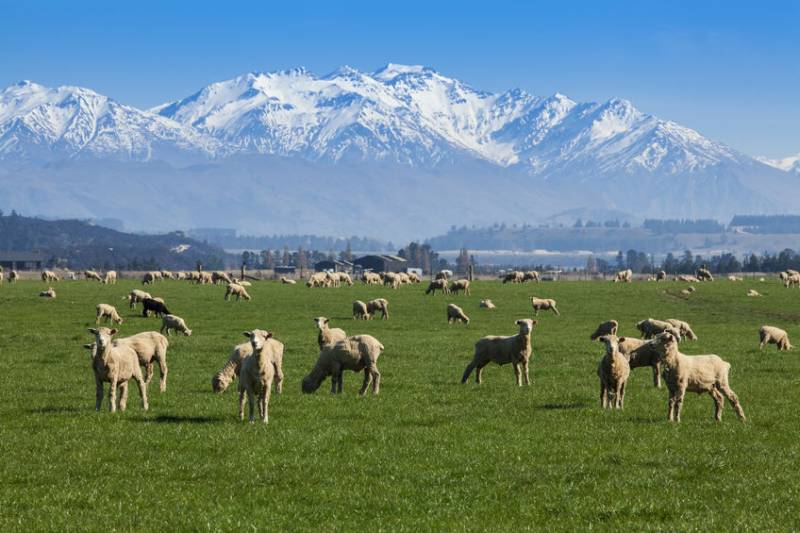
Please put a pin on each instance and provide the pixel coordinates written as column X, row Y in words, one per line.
column 591, row 264
column 462, row 261
column 347, row 253
column 620, row 261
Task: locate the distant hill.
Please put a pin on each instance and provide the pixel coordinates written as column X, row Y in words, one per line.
column 78, row 244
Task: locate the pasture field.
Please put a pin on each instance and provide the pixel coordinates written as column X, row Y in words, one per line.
column 427, row 453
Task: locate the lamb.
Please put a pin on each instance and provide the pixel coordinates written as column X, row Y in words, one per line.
column 609, row 327
column 773, row 335
column 515, row 349
column 379, row 304
column 174, row 323
column 514, row 277
column 651, row 327
column 237, row 290
column 92, row 275
column 661, row 276
column 461, row 285
column 117, row 364
column 287, row 281
column 326, row 334
column 753, row 293
column 684, row 329
column 154, row 305
column 456, row 314
column 356, row 353
column 258, row 372
column 392, row 279
column 487, row 304
column 703, row 274
column 694, row 373
column 218, row 277
column 49, row 276
column 531, row 275
column 360, row 310
column 137, row 296
column 108, row 312
column 150, row 347
column 641, row 353
column 546, row 304
column 111, row 277
column 13, row 276
column 230, row 371
column 437, row 284
column 371, row 278
column 625, row 276
column 613, row 371
column 49, row 293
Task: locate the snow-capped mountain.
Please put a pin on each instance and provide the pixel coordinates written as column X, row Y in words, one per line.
column 787, row 164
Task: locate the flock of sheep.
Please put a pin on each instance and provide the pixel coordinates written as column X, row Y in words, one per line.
column 258, row 362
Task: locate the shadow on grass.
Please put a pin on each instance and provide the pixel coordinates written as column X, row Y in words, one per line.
column 50, row 409
column 177, row 419
column 561, row 406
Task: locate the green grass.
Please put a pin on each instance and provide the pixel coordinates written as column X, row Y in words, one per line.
column 427, row 453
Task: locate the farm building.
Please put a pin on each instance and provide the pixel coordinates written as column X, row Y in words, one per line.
column 381, row 263
column 333, row 265
column 21, row 260
column 285, row 269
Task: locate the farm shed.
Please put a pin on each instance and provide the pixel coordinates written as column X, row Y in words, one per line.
column 381, row 263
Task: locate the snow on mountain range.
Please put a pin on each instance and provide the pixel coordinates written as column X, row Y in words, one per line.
column 787, row 164
column 401, row 122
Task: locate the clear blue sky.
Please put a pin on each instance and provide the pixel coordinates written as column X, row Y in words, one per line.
column 729, row 69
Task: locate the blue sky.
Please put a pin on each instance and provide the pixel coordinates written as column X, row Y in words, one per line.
column 729, row 69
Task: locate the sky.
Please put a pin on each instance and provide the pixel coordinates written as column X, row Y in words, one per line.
column 729, row 69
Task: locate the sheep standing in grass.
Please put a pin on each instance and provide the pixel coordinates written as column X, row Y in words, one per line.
column 531, row 275
column 91, row 275
column 460, row 285
column 608, row 327
column 137, row 296
column 318, row 279
column 456, row 314
column 150, row 347
column 13, row 276
column 543, row 304
column 111, row 277
column 487, row 304
column 230, row 371
column 661, row 276
column 515, row 349
column 625, row 276
column 683, row 328
column 694, row 373
column 49, row 276
column 514, row 277
column 792, row 280
column 378, row 304
column 237, row 290
column 344, row 277
column 640, row 353
column 174, row 323
column 114, row 363
column 49, row 293
column 149, row 278
column 218, row 277
column 356, row 353
column 155, row 306
column 773, row 335
column 392, row 279
column 437, row 284
column 360, row 310
column 651, row 327
column 258, row 371
column 613, row 371
column 371, row 278
column 703, row 274
column 328, row 335
column 107, row 312
column 413, row 277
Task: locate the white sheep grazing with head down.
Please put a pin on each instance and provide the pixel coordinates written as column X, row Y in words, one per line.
column 392, row 279
column 613, row 371
column 651, row 327
column 609, row 327
column 220, row 277
column 514, row 277
column 91, row 275
column 694, row 373
column 174, row 323
column 456, row 314
column 258, row 371
column 49, row 293
column 625, row 276
column 360, row 310
column 531, row 275
column 413, row 277
column 379, row 304
column 371, row 278
column 515, row 349
column 150, row 347
column 49, row 276
column 137, row 296
column 114, row 363
column 460, row 285
column 437, row 284
column 111, row 277
column 230, row 371
column 683, row 328
column 773, row 335
column 543, row 304
column 356, row 353
column 704, row 274
column 237, row 290
column 107, row 312
column 328, row 335
column 487, row 304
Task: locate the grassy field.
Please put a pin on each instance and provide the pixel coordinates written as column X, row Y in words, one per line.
column 427, row 453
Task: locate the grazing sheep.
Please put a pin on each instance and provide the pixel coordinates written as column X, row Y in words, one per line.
column 684, row 329
column 515, row 349
column 792, row 280
column 137, row 296
column 192, row 276
column 437, row 284
column 13, row 276
column 371, row 278
column 703, row 274
column 204, row 278
column 49, row 293
column 174, row 323
column 609, row 327
column 218, row 277
column 392, row 279
column 92, row 275
column 404, row 278
column 456, row 314
column 343, row 277
column 753, row 293
column 107, row 312
column 379, row 304
column 166, row 274
column 230, row 371
column 49, row 276
column 180, row 275
column 694, row 373
column 531, row 275
column 258, row 371
column 487, row 304
column 773, row 335
column 154, row 305
column 360, row 310
column 413, row 277
column 237, row 290
column 115, row 363
column 651, row 327
column 546, row 304
column 443, row 274
column 661, row 276
column 625, row 276
column 149, row 278
column 111, row 277
column 356, row 353
column 287, row 281
column 318, row 279
column 640, row 353
column 514, row 277
column 613, row 371
column 461, row 285
column 326, row 334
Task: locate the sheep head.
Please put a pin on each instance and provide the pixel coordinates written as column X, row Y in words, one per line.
column 611, row 342
column 666, row 344
column 313, row 380
column 321, row 322
column 103, row 337
column 220, row 382
column 526, row 325
column 258, row 338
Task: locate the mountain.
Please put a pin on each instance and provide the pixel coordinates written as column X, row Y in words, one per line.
column 402, row 152
column 787, row 164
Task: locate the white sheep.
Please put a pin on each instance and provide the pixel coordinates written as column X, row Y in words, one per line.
column 687, row 278
column 546, row 304
column 378, row 304
column 318, row 279
column 328, row 335
column 613, row 371
column 753, row 293
column 437, row 284
column 356, row 353
column 651, row 327
column 360, row 310
column 218, row 277
column 92, row 275
column 773, row 335
column 174, row 323
column 223, row 378
column 258, row 372
column 107, row 312
column 460, row 285
column 114, row 363
column 13, row 276
column 344, row 277
column 166, row 274
column 413, row 277
column 456, row 314
column 392, row 279
column 625, row 276
column 150, row 347
column 487, row 304
column 137, row 296
column 734, row 278
column 515, row 349
column 609, row 327
column 703, row 274
column 111, row 277
column 234, row 289
column 531, row 275
column 49, row 276
column 694, row 373
column 371, row 278
column 287, row 281
column 514, row 277
column 683, row 328
column 661, row 276
column 49, row 293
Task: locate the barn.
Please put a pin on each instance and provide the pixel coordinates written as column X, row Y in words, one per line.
column 333, row 265
column 381, row 263
column 21, row 260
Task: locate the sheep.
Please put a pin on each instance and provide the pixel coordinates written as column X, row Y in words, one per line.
column 287, row 281
column 684, row 329
column 110, row 277
column 149, row 278
column 326, row 334
column 230, row 371
column 180, row 275
column 487, row 304
column 514, row 277
column 242, row 282
column 176, row 323
column 150, row 347
column 107, row 312
column 613, row 371
column 546, row 304
column 166, row 274
column 379, row 304
column 49, row 276
column 392, row 279
column 137, row 296
column 691, row 288
column 625, row 276
column 356, row 353
column 437, row 284
column 92, row 275
column 661, row 276
column 237, row 290
column 515, row 349
column 609, row 327
column 344, row 277
column 456, row 314
column 461, row 285
column 318, row 279
column 258, row 372
column 703, row 274
column 773, row 335
column 371, row 278
column 640, row 353
column 687, row 278
column 531, row 275
column 792, row 280
column 204, row 278
column 651, row 327
column 404, row 278
column 734, row 278
column 117, row 364
column 13, row 276
column 192, row 276
column 218, row 277
column 753, row 293
column 686, row 292
column 360, row 310
column 443, row 274
column 694, row 373
column 413, row 277
column 49, row 293
column 155, row 305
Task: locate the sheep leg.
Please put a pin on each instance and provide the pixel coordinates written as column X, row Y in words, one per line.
column 148, row 371
column 517, row 373
column 470, row 367
column 656, row 376
column 112, row 395
column 333, row 383
column 734, row 401
column 265, row 402
column 603, row 396
column 479, row 372
column 142, row 391
column 671, row 407
column 278, row 378
column 525, row 370
column 162, row 367
column 340, row 382
column 250, row 404
column 679, row 404
column 719, row 403
column 98, row 393
column 556, row 311
column 376, row 380
column 241, row 404
column 365, row 384
column 123, row 396
column 622, row 395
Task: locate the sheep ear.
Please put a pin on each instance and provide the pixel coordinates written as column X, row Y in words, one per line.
column 621, row 339
column 246, row 334
column 534, row 322
column 114, row 331
column 93, row 331
column 326, row 321
column 269, row 334
column 89, row 346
